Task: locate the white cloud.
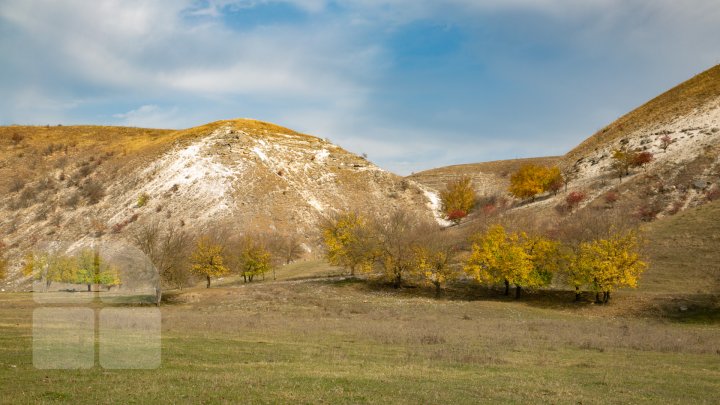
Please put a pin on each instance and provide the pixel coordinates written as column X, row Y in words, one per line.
column 148, row 116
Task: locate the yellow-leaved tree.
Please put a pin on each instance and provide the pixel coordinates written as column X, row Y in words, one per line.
column 612, row 263
column 513, row 259
column 251, row 258
column 87, row 267
column 433, row 256
column 207, row 259
column 531, row 180
column 349, row 241
column 458, row 199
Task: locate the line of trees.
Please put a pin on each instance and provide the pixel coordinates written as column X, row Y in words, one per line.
column 399, row 248
column 180, row 258
column 87, row 267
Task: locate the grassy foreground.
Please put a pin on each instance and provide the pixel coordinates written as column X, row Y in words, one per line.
column 346, row 341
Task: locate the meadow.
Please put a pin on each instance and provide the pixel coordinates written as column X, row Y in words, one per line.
column 315, row 336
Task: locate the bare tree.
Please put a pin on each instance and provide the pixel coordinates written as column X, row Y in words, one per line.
column 168, row 249
column 397, row 238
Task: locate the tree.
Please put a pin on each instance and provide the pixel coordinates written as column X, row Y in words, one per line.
column 433, row 258
column 623, row 160
column 642, row 159
column 666, row 141
column 168, row 248
column 531, row 180
column 497, row 257
column 286, row 247
column 86, row 267
column 251, row 258
column 555, row 180
column 398, row 237
column 349, row 242
column 513, row 259
column 613, row 263
column 207, row 259
column 458, row 199
column 93, row 269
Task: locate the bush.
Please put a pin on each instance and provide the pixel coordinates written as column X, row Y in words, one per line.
column 574, row 199
column 16, row 185
column 458, row 197
column 93, row 191
column 143, row 200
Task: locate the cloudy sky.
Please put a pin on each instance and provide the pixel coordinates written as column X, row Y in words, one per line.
column 414, row 84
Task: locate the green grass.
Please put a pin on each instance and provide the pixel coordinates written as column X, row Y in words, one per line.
column 357, row 342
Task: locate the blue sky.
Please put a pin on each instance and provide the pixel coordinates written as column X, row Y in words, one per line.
column 414, row 84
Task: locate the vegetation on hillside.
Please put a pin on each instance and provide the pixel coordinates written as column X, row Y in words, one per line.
column 458, row 199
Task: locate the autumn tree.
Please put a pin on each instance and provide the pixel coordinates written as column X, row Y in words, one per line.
column 622, row 161
column 349, row 242
column 531, row 180
column 433, row 256
column 513, row 258
column 458, row 199
column 92, row 268
column 168, row 248
column 642, row 159
column 250, row 257
column 86, row 267
column 576, row 234
column 207, row 259
column 613, row 263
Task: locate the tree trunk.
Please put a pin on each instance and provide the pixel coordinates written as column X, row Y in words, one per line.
column 352, row 271
column 437, row 289
column 398, row 281
column 518, row 291
column 597, row 298
column 89, row 287
column 577, row 294
column 507, row 287
column 208, row 282
column 606, row 298
column 244, row 278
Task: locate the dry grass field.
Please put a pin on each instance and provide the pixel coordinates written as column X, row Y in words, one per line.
column 336, row 340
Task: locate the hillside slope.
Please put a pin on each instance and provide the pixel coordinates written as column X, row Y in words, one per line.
column 488, row 177
column 85, row 184
column 682, row 175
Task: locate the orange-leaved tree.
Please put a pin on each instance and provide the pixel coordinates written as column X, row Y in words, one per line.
column 458, row 199
column 207, row 259
column 531, row 180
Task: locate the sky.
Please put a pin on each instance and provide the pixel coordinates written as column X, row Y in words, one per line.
column 415, row 84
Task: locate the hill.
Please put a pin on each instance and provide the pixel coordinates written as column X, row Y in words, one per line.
column 680, row 129
column 487, row 177
column 84, row 184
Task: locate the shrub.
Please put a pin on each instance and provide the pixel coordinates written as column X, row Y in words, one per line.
column 16, row 185
column 713, row 193
column 611, row 197
column 16, row 138
column 648, row 212
column 574, row 199
column 93, row 191
column 143, row 200
column 456, row 215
